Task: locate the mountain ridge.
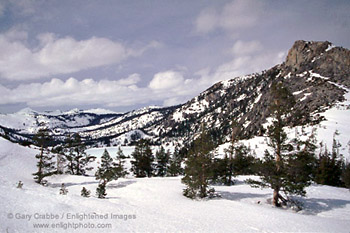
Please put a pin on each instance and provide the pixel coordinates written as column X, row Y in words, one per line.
column 312, row 71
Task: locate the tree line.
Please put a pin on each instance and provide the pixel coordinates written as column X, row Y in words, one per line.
column 71, row 158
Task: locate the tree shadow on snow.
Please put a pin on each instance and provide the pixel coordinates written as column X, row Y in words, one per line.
column 232, row 196
column 315, row 206
column 121, row 184
column 55, row 185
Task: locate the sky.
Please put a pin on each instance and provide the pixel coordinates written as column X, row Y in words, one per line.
column 124, row 55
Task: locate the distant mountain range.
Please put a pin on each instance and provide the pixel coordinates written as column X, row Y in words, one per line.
column 317, row 73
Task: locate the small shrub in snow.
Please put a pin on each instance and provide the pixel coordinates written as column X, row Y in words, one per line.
column 63, row 190
column 19, row 184
column 85, row 192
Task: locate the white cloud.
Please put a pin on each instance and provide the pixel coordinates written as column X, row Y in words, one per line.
column 131, row 80
column 168, row 80
column 76, row 93
column 245, row 48
column 233, row 16
column 59, row 55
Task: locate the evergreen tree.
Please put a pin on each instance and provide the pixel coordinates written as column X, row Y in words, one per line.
column 220, row 171
column 237, row 161
column 142, row 165
column 198, row 168
column 69, row 155
column 78, row 159
column 289, row 169
column 329, row 167
column 101, row 190
column 228, row 164
column 60, row 158
column 122, row 172
column 63, row 190
column 45, row 164
column 346, row 175
column 174, row 167
column 106, row 172
column 244, row 161
column 85, row 192
column 120, row 154
column 162, row 159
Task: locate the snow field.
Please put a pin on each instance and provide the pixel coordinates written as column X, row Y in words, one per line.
column 155, row 204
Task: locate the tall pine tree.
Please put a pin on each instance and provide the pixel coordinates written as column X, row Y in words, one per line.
column 119, row 164
column 162, row 159
column 288, row 170
column 60, row 159
column 228, row 161
column 78, row 159
column 106, row 172
column 198, row 167
column 174, row 167
column 142, row 165
column 45, row 164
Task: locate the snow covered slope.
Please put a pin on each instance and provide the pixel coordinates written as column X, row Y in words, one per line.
column 335, row 119
column 152, row 204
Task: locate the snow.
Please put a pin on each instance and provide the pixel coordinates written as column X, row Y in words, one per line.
column 100, row 111
column 241, row 97
column 288, row 75
column 153, row 204
column 178, row 116
column 305, row 96
column 258, row 98
column 331, row 46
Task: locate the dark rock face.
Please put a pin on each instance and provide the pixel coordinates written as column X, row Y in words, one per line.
column 302, row 53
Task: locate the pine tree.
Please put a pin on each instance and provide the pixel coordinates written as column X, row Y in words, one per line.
column 106, row 172
column 60, row 159
column 101, row 190
column 69, row 155
column 78, row 159
column 220, row 171
column 198, row 168
column 142, row 165
column 63, row 190
column 122, row 172
column 237, row 161
column 244, row 161
column 45, row 164
column 120, row 154
column 174, row 167
column 346, row 175
column 85, row 192
column 227, row 164
column 329, row 167
column 289, row 169
column 162, row 159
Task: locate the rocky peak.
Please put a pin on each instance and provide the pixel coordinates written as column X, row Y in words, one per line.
column 303, row 52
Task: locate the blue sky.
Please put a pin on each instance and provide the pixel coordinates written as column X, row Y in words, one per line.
column 122, row 55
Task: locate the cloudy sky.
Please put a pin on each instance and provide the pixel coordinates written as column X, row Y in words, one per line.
column 122, row 55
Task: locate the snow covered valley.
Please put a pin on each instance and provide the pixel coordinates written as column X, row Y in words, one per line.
column 152, row 204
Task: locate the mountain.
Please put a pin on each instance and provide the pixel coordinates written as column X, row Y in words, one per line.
column 317, row 73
